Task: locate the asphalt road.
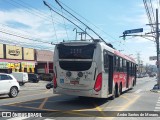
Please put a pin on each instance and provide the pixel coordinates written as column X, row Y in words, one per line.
column 134, row 103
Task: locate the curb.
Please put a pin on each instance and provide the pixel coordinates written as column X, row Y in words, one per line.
column 156, row 91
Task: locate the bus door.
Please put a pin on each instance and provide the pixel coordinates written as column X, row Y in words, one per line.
column 110, row 76
column 127, row 80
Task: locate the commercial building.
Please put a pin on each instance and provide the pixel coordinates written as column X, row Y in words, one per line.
column 44, row 60
column 20, row 59
column 16, row 59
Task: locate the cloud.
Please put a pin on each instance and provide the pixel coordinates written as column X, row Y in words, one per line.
column 22, row 23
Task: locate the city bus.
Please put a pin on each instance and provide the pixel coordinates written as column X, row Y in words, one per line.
column 92, row 69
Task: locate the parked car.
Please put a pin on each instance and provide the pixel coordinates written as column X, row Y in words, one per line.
column 8, row 85
column 139, row 75
column 49, row 85
column 151, row 75
column 46, row 76
column 22, row 77
column 33, row 77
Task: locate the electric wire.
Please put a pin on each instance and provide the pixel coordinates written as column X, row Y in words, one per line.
column 24, row 37
column 88, row 21
column 64, row 24
column 67, row 19
column 54, row 26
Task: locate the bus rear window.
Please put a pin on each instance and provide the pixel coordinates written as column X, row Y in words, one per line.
column 76, row 52
column 75, row 65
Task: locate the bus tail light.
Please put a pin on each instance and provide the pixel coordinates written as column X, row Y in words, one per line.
column 54, row 81
column 98, row 83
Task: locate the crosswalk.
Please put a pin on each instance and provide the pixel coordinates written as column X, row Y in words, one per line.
column 157, row 107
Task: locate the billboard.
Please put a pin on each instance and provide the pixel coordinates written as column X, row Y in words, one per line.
column 1, row 51
column 13, row 52
column 28, row 53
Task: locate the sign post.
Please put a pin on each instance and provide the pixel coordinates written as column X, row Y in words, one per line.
column 126, row 32
column 133, row 31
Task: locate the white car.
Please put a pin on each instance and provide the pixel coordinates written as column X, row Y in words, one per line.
column 8, row 85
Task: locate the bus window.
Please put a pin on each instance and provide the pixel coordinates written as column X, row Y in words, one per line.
column 105, row 55
column 76, row 52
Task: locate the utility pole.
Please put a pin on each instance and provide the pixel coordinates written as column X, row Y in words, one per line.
column 157, row 41
column 138, row 60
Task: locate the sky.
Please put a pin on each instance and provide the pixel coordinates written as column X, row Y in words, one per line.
column 29, row 23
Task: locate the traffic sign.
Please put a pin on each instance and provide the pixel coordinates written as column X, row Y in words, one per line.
column 133, row 31
column 153, row 58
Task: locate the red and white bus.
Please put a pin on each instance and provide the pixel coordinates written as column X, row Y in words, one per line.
column 92, row 69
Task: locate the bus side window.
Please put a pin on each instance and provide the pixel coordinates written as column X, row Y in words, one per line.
column 105, row 55
column 124, row 66
column 115, row 64
column 118, row 64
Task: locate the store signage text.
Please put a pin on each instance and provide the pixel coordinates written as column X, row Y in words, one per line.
column 14, row 52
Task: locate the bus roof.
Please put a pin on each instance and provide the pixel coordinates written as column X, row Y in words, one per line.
column 84, row 42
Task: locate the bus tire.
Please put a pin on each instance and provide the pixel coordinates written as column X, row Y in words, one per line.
column 120, row 89
column 133, row 84
column 114, row 94
column 117, row 91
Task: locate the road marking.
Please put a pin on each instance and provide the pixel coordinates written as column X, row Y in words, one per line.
column 157, row 107
column 128, row 104
column 125, row 97
column 47, row 91
column 157, row 104
column 34, row 108
column 99, row 109
column 138, row 91
column 43, row 103
column 26, row 101
column 18, row 118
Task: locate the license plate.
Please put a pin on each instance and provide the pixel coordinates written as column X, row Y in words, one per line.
column 74, row 82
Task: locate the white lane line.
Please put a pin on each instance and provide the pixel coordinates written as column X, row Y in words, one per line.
column 18, row 118
column 157, row 104
column 157, row 108
column 138, row 91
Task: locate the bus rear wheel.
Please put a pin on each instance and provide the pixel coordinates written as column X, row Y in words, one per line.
column 114, row 94
column 120, row 89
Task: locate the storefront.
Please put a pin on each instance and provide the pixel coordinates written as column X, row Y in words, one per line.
column 16, row 59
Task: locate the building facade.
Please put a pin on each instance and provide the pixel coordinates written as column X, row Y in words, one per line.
column 44, row 60
column 16, row 59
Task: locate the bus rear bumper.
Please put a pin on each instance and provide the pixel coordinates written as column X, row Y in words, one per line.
column 77, row 92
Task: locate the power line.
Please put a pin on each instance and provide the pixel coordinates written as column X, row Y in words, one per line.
column 88, row 21
column 17, row 4
column 64, row 24
column 29, row 45
column 80, row 21
column 24, row 37
column 54, row 26
column 67, row 19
